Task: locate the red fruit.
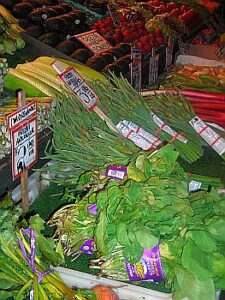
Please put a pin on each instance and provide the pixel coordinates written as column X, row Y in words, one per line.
column 158, row 32
column 175, row 12
column 126, row 33
column 184, row 8
column 159, row 40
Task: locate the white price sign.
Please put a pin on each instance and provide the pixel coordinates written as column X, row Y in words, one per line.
column 94, row 41
column 183, row 47
column 79, row 87
column 153, row 67
column 136, row 69
column 169, row 54
column 22, row 114
column 24, row 146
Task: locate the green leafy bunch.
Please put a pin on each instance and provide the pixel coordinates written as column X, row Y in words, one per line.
column 153, row 205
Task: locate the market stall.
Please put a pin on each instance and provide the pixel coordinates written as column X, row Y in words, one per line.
column 118, row 112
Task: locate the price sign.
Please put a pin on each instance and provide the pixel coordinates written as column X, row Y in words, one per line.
column 22, row 114
column 136, row 68
column 153, row 67
column 169, row 54
column 183, row 47
column 94, row 41
column 221, row 50
column 24, row 146
column 113, row 14
column 79, row 87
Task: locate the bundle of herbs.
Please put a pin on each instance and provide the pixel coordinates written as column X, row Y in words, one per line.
column 176, row 110
column 152, row 208
column 26, row 256
column 157, row 209
column 82, row 142
column 123, row 104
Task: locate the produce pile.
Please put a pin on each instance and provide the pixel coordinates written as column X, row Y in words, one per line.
column 26, row 256
column 39, row 80
column 150, row 207
column 144, row 25
column 10, row 33
column 204, row 87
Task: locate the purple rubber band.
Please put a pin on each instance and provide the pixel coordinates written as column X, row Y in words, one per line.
column 31, row 261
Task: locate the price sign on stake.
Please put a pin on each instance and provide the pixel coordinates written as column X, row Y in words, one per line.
column 183, row 47
column 21, row 115
column 136, row 68
column 79, row 87
column 94, row 41
column 82, row 90
column 24, row 146
column 23, row 127
column 153, row 67
column 169, row 54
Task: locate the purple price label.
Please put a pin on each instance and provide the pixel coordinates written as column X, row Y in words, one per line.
column 116, row 172
column 88, row 247
column 92, row 209
column 148, row 268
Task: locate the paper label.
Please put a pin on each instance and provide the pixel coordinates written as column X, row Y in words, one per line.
column 79, row 87
column 20, row 115
column 148, row 268
column 209, row 135
column 169, row 54
column 194, row 186
column 32, row 295
column 24, row 146
column 116, row 172
column 153, row 140
column 94, row 41
column 221, row 50
column 167, row 128
column 88, row 247
column 153, row 68
column 183, row 47
column 138, row 135
column 92, row 209
column 136, row 69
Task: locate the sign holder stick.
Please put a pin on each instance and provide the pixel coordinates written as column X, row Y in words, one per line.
column 59, row 69
column 24, row 175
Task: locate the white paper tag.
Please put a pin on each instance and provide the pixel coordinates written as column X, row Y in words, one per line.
column 117, row 174
column 183, row 47
column 153, row 68
column 136, row 68
column 138, row 135
column 32, row 295
column 209, row 135
column 79, row 87
column 194, row 186
column 169, row 54
column 167, row 128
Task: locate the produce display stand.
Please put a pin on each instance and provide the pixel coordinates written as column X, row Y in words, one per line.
column 33, row 48
column 125, row 291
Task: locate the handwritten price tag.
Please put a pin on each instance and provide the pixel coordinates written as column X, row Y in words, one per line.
column 136, row 68
column 153, row 67
column 94, row 41
column 169, row 54
column 79, row 87
column 183, row 47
